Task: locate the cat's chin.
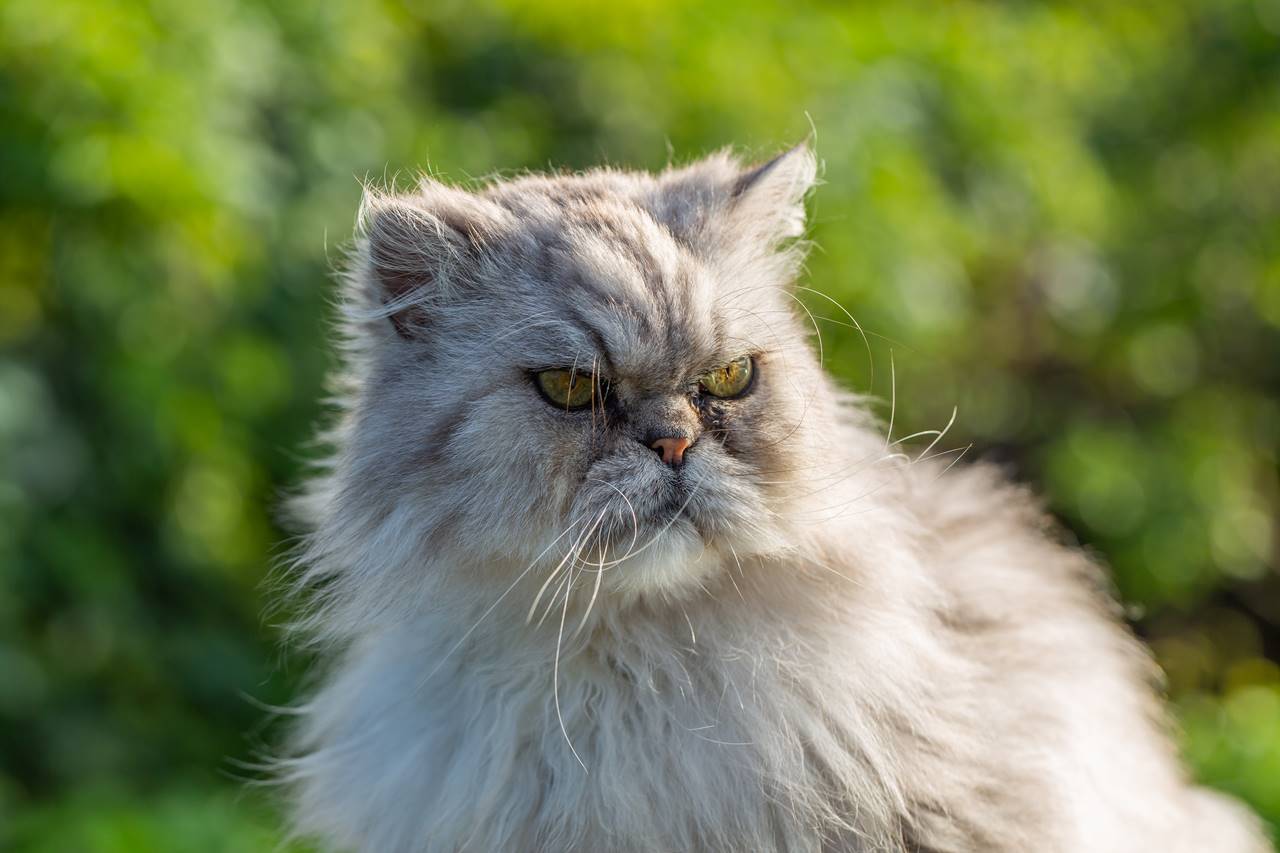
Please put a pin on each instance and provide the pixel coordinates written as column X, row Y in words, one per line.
column 672, row 562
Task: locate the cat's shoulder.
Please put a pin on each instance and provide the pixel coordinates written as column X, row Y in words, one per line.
column 993, row 547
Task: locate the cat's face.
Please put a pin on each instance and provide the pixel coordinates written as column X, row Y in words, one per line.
column 601, row 369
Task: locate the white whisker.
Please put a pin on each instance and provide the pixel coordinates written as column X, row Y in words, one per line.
column 555, row 683
column 495, row 604
column 942, row 432
column 871, row 383
column 893, row 400
column 571, row 554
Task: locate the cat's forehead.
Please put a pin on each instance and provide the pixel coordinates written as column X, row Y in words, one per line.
column 622, row 291
column 602, row 276
column 651, row 342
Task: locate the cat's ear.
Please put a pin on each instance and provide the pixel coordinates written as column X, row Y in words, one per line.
column 421, row 248
column 772, row 193
column 718, row 200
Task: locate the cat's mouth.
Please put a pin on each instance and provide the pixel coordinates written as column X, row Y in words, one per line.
column 666, row 529
column 671, row 516
column 654, row 506
column 669, row 510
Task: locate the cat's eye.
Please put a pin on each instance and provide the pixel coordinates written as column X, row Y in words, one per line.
column 732, row 380
column 568, row 389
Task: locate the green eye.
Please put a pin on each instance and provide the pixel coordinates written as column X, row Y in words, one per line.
column 569, row 389
column 731, row 380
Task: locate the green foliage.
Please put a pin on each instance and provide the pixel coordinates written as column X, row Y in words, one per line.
column 1059, row 218
column 181, row 818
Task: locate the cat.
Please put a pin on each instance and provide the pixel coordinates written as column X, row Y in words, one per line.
column 602, row 561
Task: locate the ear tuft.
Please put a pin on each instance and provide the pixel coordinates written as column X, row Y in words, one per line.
column 716, row 202
column 774, row 191
column 420, row 248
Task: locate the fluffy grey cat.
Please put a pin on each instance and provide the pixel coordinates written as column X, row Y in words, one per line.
column 602, row 561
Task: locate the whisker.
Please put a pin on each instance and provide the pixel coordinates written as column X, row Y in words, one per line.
column 816, row 330
column 635, row 521
column 944, row 431
column 495, row 604
column 854, row 320
column 595, row 592
column 952, row 463
column 571, row 554
column 840, row 473
column 693, row 491
column 893, row 399
column 842, row 504
column 740, row 571
column 825, row 319
column 551, row 602
column 555, row 683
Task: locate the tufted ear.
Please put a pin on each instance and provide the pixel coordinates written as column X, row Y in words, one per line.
column 421, row 248
column 773, row 192
column 718, row 200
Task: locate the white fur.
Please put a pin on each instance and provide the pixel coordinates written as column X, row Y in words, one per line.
column 829, row 648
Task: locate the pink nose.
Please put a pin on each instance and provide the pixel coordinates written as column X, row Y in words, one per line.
column 671, row 449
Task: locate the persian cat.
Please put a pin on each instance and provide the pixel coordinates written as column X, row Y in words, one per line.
column 602, row 561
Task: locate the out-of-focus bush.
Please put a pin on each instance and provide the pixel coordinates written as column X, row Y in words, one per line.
column 1060, row 218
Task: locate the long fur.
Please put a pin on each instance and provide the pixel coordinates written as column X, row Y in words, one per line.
column 540, row 638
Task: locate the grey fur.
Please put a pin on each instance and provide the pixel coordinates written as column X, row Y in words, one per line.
column 543, row 639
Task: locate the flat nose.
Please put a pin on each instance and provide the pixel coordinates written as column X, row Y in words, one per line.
column 671, row 449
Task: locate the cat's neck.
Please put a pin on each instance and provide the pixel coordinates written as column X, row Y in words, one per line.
column 810, row 596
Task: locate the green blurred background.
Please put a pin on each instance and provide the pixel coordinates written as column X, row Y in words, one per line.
column 1061, row 218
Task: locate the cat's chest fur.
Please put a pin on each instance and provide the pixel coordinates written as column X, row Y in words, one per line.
column 728, row 724
column 802, row 707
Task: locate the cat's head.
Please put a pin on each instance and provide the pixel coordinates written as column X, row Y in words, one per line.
column 605, row 367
